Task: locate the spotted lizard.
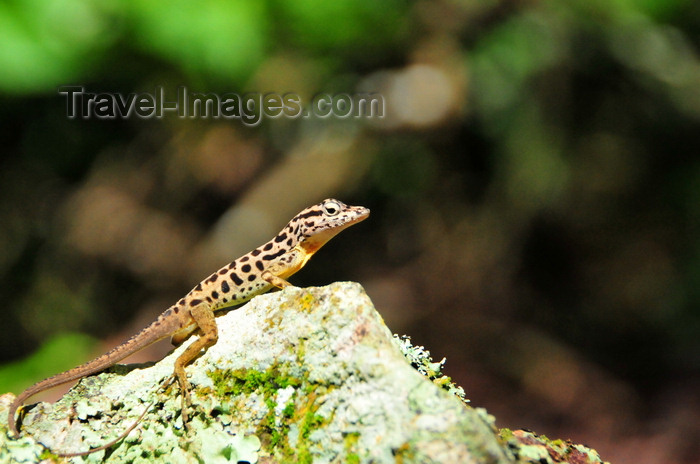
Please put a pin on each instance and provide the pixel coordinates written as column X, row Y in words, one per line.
column 262, row 269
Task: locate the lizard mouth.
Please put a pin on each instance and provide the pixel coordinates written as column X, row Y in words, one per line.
column 355, row 215
column 361, row 213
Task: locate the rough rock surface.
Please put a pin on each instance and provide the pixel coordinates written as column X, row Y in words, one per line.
column 300, row 375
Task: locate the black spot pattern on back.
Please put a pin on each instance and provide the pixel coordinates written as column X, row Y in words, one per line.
column 255, row 252
column 259, row 265
column 268, row 247
column 236, row 280
column 195, row 302
column 281, row 238
column 273, row 255
column 251, row 277
column 225, row 287
column 245, row 268
column 215, row 294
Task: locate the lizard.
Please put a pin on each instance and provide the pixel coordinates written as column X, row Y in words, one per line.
column 257, row 272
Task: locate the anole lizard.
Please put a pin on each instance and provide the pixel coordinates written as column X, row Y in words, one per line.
column 260, row 270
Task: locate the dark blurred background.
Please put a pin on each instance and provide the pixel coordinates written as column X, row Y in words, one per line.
column 534, row 186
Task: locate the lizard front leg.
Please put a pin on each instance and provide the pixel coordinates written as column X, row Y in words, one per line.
column 288, row 264
column 203, row 316
column 277, row 281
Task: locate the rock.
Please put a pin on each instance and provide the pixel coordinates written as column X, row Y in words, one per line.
column 300, row 375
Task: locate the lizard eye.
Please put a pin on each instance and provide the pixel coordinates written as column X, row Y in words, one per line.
column 331, row 208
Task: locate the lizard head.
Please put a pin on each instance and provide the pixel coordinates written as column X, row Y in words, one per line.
column 320, row 223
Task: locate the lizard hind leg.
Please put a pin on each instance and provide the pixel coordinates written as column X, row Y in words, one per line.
column 204, row 318
column 179, row 337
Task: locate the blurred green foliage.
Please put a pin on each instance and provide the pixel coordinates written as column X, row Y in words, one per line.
column 55, row 355
column 49, row 43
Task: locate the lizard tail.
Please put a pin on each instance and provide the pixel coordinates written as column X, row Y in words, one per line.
column 158, row 330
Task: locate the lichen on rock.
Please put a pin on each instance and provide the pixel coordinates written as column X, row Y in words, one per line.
column 300, row 375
